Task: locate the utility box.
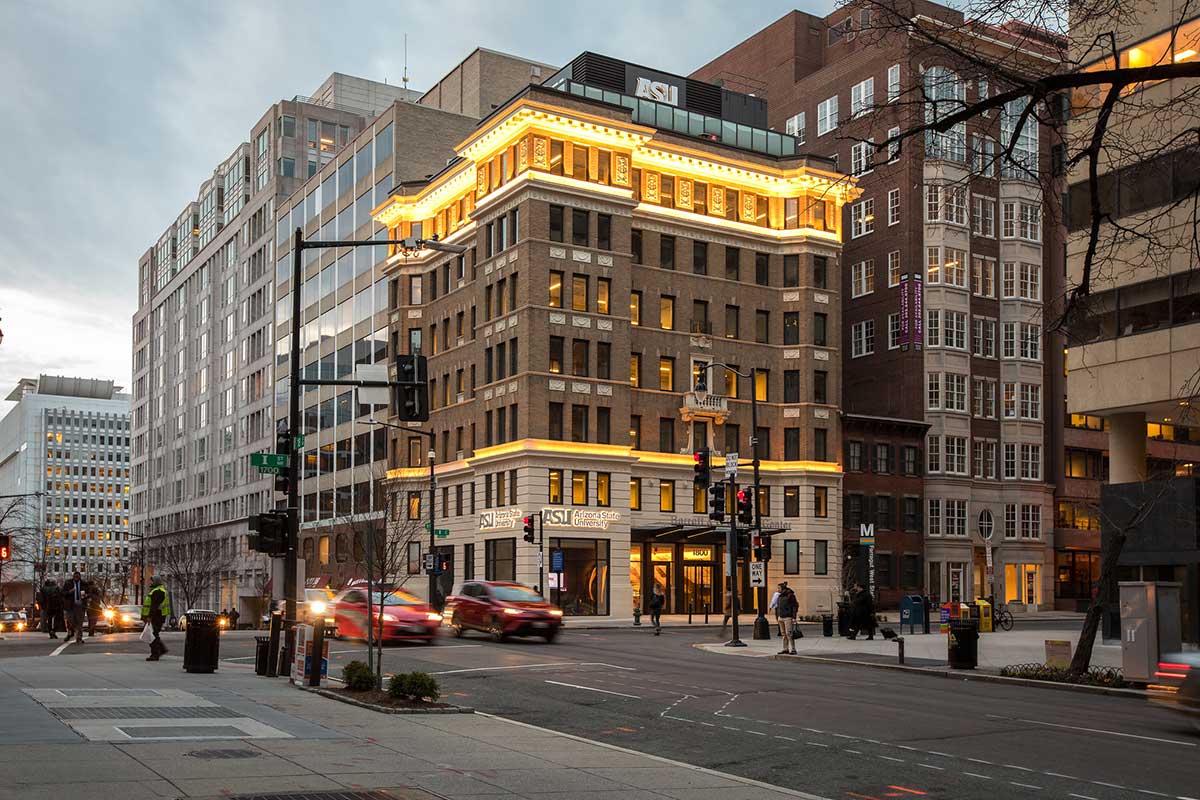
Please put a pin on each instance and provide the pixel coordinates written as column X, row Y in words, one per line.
column 1150, row 627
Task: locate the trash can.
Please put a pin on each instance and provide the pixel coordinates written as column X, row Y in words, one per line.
column 843, row 619
column 202, row 643
column 262, row 652
column 985, row 615
column 827, row 624
column 962, row 645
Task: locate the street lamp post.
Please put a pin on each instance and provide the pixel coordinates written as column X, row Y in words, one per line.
column 762, row 628
column 299, row 245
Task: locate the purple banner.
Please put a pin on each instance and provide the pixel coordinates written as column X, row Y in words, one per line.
column 905, row 331
column 918, row 311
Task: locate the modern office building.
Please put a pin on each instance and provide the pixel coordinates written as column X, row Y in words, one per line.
column 64, row 446
column 203, row 333
column 1134, row 357
column 347, row 306
column 948, row 437
column 628, row 230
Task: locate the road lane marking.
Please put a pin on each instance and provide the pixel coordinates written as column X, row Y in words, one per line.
column 844, row 736
column 730, row 728
column 931, row 766
column 1016, row 766
column 1096, row 730
column 936, row 753
column 1109, row 785
column 905, row 789
column 817, row 744
column 756, row 733
column 62, row 647
column 788, row 738
column 1081, row 796
column 593, row 689
column 981, row 761
column 977, row 775
column 893, row 758
column 1060, row 775
column 518, row 666
column 1025, row 785
column 1148, row 791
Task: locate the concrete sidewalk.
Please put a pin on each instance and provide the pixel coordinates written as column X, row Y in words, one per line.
column 996, row 650
column 697, row 620
column 95, row 726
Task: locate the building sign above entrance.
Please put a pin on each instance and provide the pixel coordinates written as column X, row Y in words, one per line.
column 660, row 91
column 500, row 519
column 579, row 518
column 693, row 553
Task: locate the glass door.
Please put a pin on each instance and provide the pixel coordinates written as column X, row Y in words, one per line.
column 662, row 577
column 697, row 588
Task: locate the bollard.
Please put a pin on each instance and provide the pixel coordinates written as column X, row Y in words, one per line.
column 707, row 609
column 900, row 643
column 273, row 646
column 637, row 615
column 689, row 613
column 317, row 649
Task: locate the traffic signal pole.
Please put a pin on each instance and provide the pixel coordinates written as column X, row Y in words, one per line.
column 293, row 492
column 762, row 627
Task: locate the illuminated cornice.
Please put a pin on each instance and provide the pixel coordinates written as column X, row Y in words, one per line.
column 427, row 202
column 757, row 178
column 524, row 115
column 745, row 228
column 577, row 449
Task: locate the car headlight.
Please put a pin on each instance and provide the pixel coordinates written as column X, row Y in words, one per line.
column 514, row 611
column 387, row 617
column 20, row 626
column 433, row 616
column 125, row 618
column 318, row 606
column 556, row 612
column 108, row 613
column 222, row 622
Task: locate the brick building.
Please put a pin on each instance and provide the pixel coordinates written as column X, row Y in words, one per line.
column 627, row 229
column 950, row 437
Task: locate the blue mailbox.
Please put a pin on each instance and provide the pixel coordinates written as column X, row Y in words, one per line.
column 912, row 611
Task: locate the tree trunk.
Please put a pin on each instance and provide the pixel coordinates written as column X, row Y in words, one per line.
column 1106, row 594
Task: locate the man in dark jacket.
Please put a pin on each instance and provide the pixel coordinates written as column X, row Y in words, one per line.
column 75, row 599
column 786, row 608
column 95, row 607
column 862, row 613
column 156, row 609
column 657, row 601
column 51, row 602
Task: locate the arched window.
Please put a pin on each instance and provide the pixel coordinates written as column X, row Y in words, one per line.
column 309, row 548
column 342, row 547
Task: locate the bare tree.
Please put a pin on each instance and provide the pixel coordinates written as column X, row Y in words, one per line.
column 1064, row 67
column 19, row 521
column 191, row 562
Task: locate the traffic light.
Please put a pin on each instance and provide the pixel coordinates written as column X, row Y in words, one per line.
column 762, row 548
column 743, row 544
column 5, row 547
column 269, row 533
column 702, row 472
column 412, row 389
column 716, row 502
column 283, row 446
column 745, row 506
column 529, row 527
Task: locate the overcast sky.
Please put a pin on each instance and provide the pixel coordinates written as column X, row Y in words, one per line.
column 117, row 111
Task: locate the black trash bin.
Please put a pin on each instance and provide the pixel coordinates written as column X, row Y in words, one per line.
column 843, row 619
column 202, row 643
column 962, row 643
column 262, row 652
column 827, row 624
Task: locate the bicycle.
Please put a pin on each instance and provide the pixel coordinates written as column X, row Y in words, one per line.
column 1002, row 618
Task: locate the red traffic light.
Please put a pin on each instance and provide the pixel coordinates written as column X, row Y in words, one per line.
column 698, row 457
column 743, row 495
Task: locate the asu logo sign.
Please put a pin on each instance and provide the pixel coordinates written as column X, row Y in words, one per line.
column 660, row 91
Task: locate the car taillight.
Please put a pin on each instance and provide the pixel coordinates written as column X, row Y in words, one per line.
column 1172, row 670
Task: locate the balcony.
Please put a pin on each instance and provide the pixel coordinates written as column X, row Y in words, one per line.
column 711, row 406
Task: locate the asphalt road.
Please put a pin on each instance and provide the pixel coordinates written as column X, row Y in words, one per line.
column 837, row 731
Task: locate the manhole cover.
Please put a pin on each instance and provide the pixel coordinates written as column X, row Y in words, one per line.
column 182, row 731
column 170, row 712
column 218, row 754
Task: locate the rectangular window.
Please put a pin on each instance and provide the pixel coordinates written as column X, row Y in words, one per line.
column 731, row 322
column 795, row 125
column 820, row 386
column 700, row 258
column 762, row 269
column 554, row 487
column 861, row 157
column 893, row 83
column 762, row 326
column 820, row 557
column 862, row 218
column 893, row 331
column 556, row 354
column 666, row 373
column 666, row 435
column 820, row 444
column 666, row 312
column 580, row 235
column 983, row 217
column 820, row 271
column 635, row 308
column 862, row 97
column 635, row 494
column 862, row 280
column 556, row 223
column 556, row 289
column 820, row 323
column 893, row 206
column 821, row 502
column 791, row 557
column 579, row 292
column 827, row 115
column 556, row 421
column 666, row 495
column 791, row 327
column 791, row 444
column 635, row 245
column 604, row 231
column 666, row 252
column 733, row 258
column 579, row 357
column 499, row 560
column 791, row 271
column 862, row 338
column 791, row 386
column 579, row 488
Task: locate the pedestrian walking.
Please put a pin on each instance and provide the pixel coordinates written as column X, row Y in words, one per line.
column 862, row 613
column 94, row 607
column 728, row 600
column 233, row 618
column 75, row 599
column 156, row 608
column 786, row 608
column 52, row 607
column 657, row 601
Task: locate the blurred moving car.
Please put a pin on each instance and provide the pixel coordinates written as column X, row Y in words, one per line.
column 316, row 603
column 13, row 621
column 1178, row 686
column 183, row 618
column 124, row 618
column 405, row 616
column 500, row 609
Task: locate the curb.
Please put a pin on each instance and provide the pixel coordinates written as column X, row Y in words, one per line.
column 385, row 709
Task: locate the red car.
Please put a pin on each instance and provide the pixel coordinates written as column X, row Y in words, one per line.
column 405, row 616
column 501, row 609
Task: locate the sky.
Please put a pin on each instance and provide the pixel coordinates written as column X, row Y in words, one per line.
column 117, row 111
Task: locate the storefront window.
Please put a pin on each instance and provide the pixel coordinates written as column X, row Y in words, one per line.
column 499, row 560
column 1023, row 583
column 635, row 574
column 581, row 589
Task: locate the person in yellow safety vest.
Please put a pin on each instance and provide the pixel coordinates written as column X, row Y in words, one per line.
column 156, row 608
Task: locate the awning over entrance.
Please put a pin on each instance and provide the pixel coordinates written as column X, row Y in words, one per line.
column 687, row 533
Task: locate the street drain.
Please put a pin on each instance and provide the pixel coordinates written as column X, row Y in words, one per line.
column 221, row 754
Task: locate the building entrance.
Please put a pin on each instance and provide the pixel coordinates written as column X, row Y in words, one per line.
column 698, row 589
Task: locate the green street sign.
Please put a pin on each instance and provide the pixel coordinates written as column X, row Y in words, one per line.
column 269, row 460
column 442, row 533
column 300, row 442
column 271, row 470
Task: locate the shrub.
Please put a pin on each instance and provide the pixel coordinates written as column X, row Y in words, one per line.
column 1095, row 676
column 358, row 676
column 417, row 686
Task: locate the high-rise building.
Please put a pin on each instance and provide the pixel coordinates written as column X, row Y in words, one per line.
column 1134, row 358
column 64, row 473
column 203, row 333
column 628, row 232
column 347, row 301
column 948, row 433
